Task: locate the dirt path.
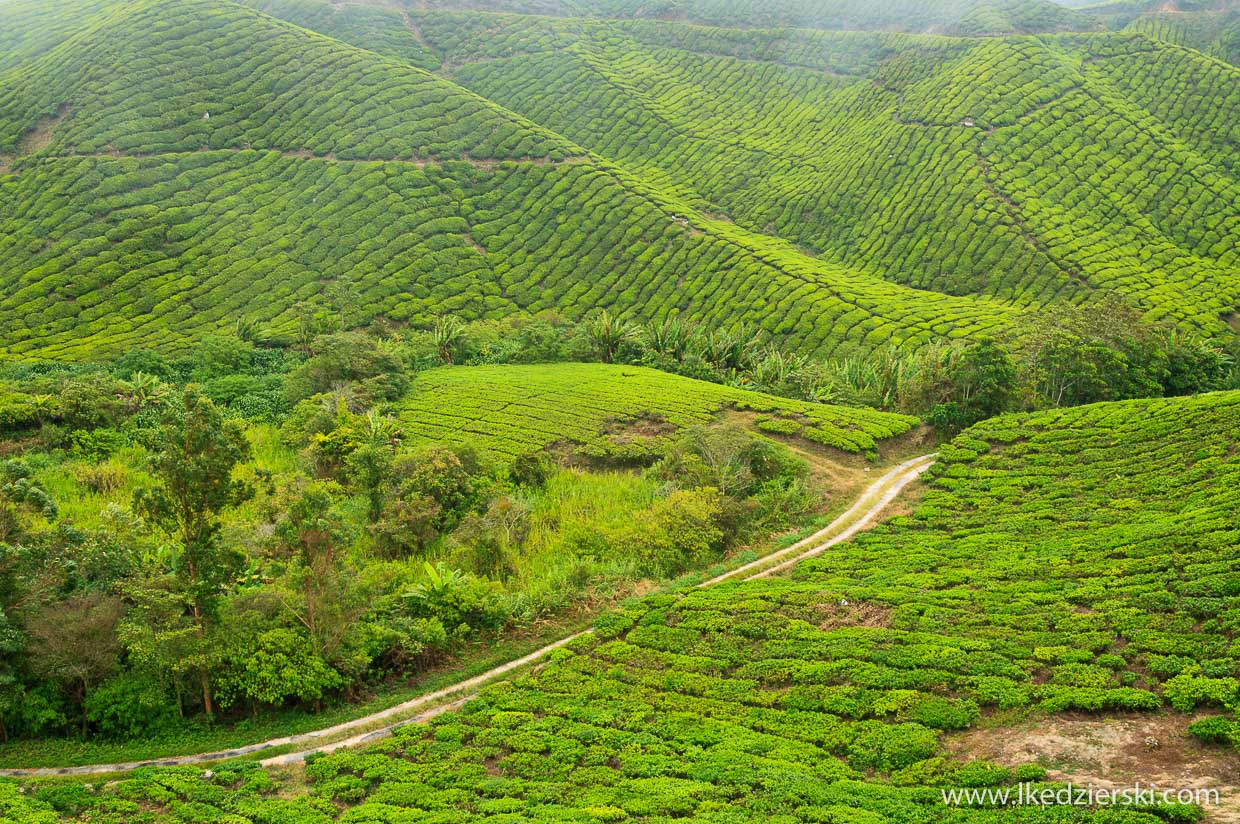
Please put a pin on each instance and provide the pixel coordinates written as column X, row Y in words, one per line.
column 868, row 506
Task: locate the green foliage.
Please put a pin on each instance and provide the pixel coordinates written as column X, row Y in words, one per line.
column 463, row 604
column 130, row 705
column 681, row 531
column 347, row 357
column 1017, row 575
column 961, row 385
column 194, row 454
column 611, row 413
column 280, row 665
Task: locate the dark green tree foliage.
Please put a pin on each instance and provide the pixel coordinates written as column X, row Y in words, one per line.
column 194, row 455
column 960, row 385
column 348, row 357
column 328, row 601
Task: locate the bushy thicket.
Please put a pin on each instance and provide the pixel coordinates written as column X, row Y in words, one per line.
column 202, row 568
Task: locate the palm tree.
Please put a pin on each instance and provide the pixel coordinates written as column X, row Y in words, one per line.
column 145, row 390
column 382, row 430
column 608, row 333
column 248, row 330
column 669, row 337
column 447, row 332
column 728, row 350
column 43, row 406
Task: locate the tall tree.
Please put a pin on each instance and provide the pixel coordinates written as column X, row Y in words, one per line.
column 314, row 538
column 75, row 641
column 196, row 451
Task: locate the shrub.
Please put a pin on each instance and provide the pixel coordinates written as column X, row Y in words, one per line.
column 130, row 705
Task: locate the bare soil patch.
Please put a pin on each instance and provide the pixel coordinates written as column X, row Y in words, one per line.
column 40, row 137
column 839, row 614
column 641, row 427
column 1113, row 752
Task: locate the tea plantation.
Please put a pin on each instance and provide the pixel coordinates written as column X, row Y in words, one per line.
column 1075, row 560
column 960, row 17
column 898, row 158
column 169, row 169
column 613, row 412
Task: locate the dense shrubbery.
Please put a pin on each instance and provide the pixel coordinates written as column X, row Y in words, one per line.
column 211, row 565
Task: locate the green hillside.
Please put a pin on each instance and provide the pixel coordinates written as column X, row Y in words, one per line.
column 166, row 169
column 896, row 159
column 116, row 235
column 1074, row 560
column 100, row 254
column 969, row 17
column 1214, row 33
column 194, row 74
column 1209, row 26
column 610, row 411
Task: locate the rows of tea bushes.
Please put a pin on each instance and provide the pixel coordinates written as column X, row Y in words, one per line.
column 871, row 163
column 377, row 28
column 102, row 255
column 29, row 30
column 154, row 77
column 964, row 169
column 608, row 411
column 1216, row 33
column 960, row 17
column 1193, row 97
column 1145, row 211
column 1079, row 560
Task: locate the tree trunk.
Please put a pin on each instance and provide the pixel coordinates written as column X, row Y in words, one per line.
column 208, row 705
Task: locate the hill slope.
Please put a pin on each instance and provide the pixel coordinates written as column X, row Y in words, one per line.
column 198, row 227
column 162, row 177
column 611, row 411
column 971, row 17
column 1075, row 560
column 895, row 158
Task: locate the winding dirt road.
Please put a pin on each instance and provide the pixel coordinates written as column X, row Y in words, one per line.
column 861, row 515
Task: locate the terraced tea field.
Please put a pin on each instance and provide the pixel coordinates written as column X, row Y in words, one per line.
column 1080, row 560
column 252, row 233
column 613, row 412
column 971, row 17
column 907, row 165
column 842, row 191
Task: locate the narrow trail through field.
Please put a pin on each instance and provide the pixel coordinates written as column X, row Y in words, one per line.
column 861, row 515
